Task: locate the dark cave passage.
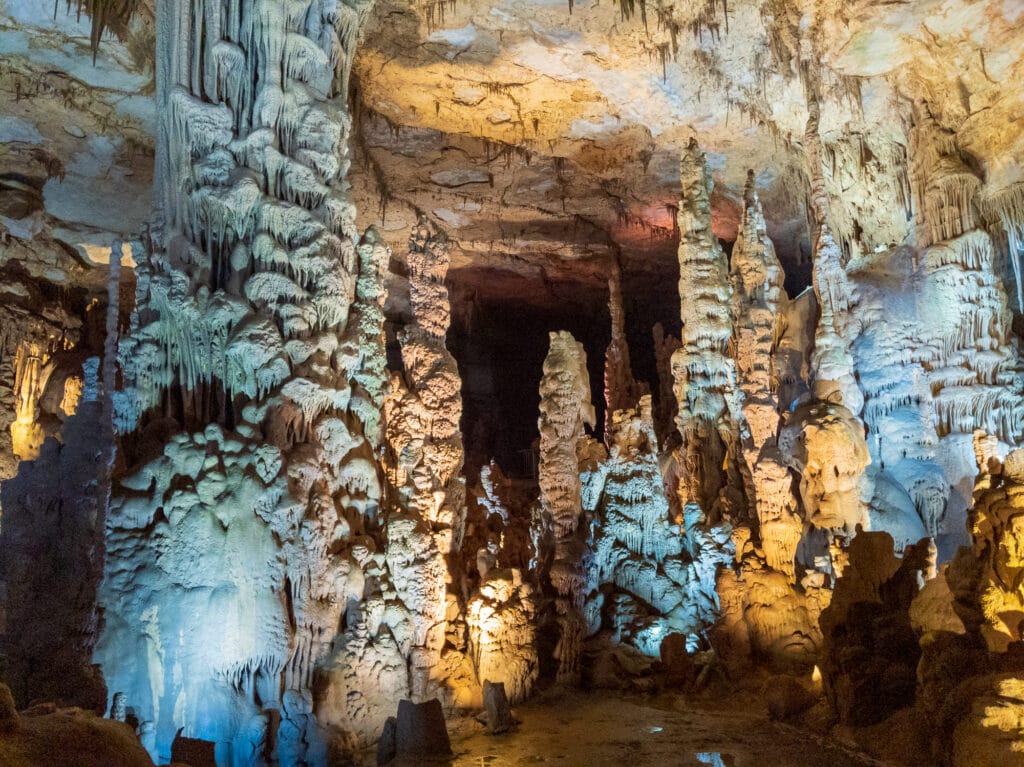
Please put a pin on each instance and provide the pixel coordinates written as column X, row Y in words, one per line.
column 500, row 342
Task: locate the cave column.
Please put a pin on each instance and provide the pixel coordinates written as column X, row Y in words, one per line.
column 248, row 335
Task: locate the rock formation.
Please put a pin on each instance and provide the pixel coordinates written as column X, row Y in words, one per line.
column 708, row 418
column 427, row 510
column 40, row 335
column 250, row 539
column 824, row 443
column 988, row 590
column 565, row 408
column 659, row 579
column 870, row 651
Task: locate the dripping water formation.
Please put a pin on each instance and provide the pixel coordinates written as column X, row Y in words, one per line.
column 410, row 382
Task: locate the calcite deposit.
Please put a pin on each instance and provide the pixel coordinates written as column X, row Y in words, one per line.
column 369, row 362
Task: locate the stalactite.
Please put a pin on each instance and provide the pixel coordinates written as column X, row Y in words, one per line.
column 1007, row 210
column 944, row 186
column 758, row 299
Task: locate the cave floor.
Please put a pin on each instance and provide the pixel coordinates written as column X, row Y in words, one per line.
column 574, row 729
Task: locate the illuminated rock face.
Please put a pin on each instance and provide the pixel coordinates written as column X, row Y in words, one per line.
column 565, row 408
column 502, row 621
column 662, row 578
column 285, row 540
column 238, row 555
column 424, row 463
column 987, row 583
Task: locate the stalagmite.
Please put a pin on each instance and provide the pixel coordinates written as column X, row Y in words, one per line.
column 824, row 443
column 502, row 620
column 665, row 405
column 708, row 418
column 422, row 412
column 620, row 390
column 758, row 298
column 831, row 362
column 565, row 408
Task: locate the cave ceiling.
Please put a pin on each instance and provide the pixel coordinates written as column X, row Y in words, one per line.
column 543, row 137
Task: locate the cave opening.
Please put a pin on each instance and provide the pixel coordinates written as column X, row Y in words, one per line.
column 499, row 336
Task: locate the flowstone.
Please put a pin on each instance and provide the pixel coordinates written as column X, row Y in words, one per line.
column 254, row 366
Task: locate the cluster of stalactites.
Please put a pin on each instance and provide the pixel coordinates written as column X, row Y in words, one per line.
column 709, row 417
column 971, row 359
column 256, row 266
column 565, row 407
column 1006, row 209
column 425, row 456
column 944, row 186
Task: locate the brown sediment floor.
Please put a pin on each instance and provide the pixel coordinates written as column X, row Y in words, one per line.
column 575, row 729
